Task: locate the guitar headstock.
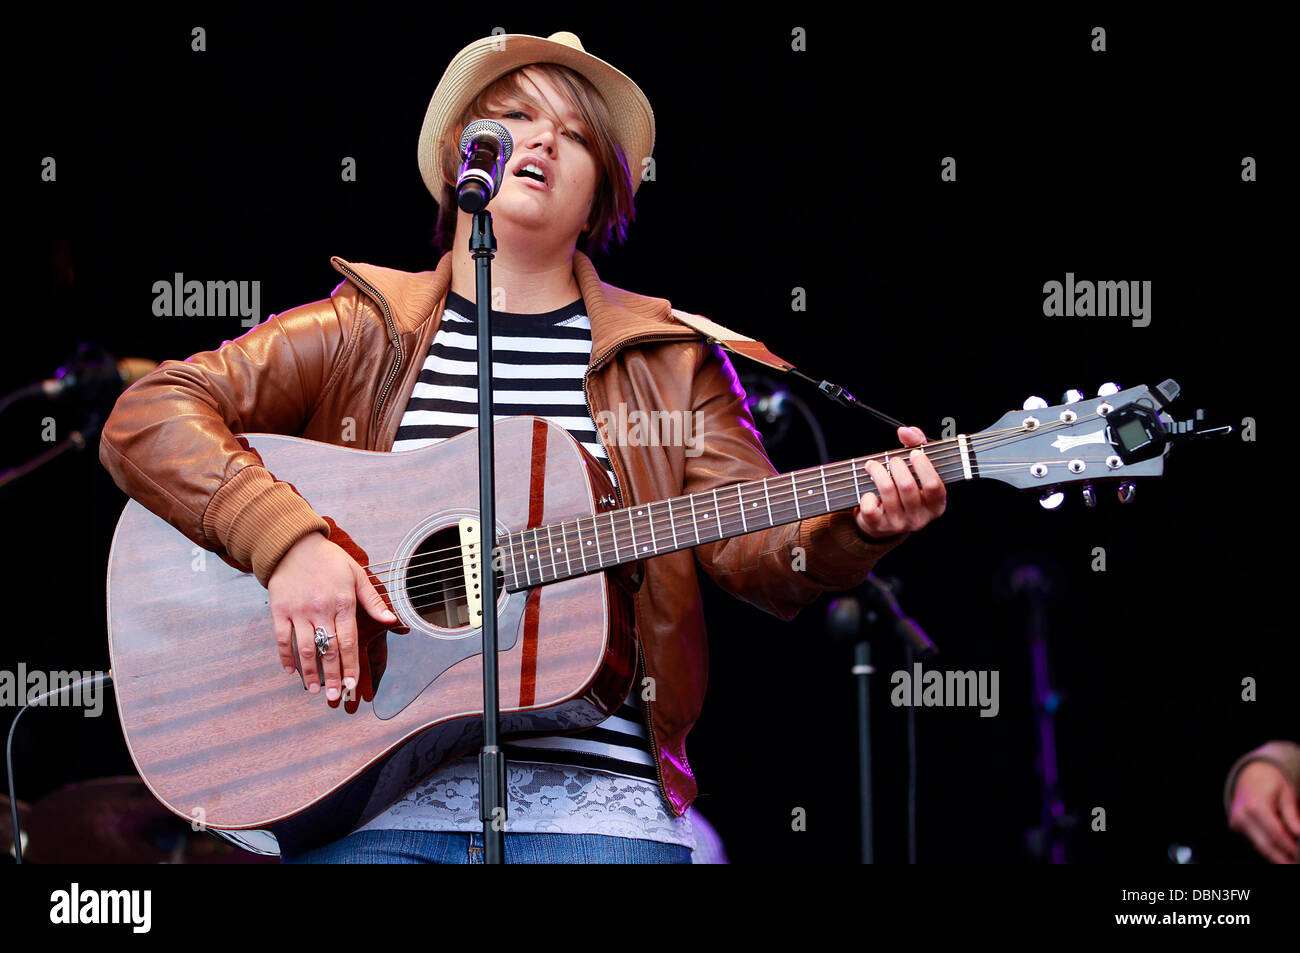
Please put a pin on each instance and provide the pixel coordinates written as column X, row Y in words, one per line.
column 1117, row 436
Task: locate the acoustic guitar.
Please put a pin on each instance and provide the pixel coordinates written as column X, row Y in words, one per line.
column 224, row 739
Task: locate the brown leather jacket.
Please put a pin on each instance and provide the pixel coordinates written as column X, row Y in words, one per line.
column 342, row 370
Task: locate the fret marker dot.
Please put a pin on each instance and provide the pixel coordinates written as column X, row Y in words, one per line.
column 638, row 512
column 753, row 504
column 588, row 542
column 644, row 548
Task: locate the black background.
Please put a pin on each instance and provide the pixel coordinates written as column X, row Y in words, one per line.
column 775, row 169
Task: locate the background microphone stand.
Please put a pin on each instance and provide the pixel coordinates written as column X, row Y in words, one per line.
column 77, row 440
column 88, row 382
column 1031, row 594
column 859, row 615
column 854, row 617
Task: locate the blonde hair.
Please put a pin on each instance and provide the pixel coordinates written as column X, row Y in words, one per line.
column 612, row 209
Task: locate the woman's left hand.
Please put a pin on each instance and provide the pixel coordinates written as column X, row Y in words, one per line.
column 905, row 502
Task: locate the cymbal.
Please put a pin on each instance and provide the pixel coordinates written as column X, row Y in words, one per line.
column 118, row 821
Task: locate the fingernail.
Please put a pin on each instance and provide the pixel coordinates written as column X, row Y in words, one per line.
column 331, row 693
column 314, row 688
column 289, row 670
column 350, row 683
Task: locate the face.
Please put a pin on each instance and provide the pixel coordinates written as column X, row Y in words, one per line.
column 554, row 198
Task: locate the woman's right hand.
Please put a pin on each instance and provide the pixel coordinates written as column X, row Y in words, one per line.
column 317, row 583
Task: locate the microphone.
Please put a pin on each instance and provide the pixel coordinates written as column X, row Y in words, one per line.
column 875, row 604
column 106, row 372
column 844, row 619
column 486, row 147
column 770, row 407
column 91, row 373
column 880, row 593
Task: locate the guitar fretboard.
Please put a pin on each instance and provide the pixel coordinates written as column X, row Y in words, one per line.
column 590, row 544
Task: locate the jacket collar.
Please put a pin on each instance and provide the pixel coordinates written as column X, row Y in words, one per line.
column 410, row 297
column 617, row 316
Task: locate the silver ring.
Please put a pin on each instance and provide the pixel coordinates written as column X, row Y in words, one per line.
column 322, row 640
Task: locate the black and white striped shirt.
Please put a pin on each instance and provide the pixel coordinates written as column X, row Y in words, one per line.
column 538, row 363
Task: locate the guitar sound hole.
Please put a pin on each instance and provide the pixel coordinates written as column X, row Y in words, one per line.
column 435, row 580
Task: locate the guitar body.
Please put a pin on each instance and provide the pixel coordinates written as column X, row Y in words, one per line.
column 225, row 738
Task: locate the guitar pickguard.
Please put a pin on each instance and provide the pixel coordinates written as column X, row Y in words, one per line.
column 416, row 660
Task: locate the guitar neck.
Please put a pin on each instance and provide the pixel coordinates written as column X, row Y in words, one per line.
column 590, row 544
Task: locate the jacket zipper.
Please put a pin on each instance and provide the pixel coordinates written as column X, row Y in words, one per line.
column 586, row 393
column 618, row 493
column 397, row 342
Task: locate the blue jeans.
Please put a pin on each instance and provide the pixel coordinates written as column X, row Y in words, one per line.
column 451, row 847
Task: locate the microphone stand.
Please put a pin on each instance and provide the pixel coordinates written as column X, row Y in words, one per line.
column 491, row 760
column 1032, row 588
column 857, row 616
column 92, row 377
column 844, row 623
column 869, row 608
column 77, row 440
column 884, row 612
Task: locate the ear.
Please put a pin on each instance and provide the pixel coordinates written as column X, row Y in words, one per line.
column 446, row 150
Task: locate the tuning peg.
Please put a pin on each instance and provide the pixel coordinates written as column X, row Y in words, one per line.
column 1108, row 389
column 1126, row 492
column 1072, row 396
column 1034, row 403
column 1051, row 499
column 1089, row 496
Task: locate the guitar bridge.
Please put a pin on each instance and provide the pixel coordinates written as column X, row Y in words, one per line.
column 471, row 557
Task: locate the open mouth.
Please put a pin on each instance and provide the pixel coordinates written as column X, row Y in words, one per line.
column 531, row 171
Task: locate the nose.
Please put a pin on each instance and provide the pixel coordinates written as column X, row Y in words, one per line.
column 543, row 136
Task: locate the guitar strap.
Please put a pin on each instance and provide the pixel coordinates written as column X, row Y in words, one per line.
column 733, row 341
column 736, row 343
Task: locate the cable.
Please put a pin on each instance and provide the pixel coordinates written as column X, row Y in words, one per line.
column 909, row 655
column 105, row 679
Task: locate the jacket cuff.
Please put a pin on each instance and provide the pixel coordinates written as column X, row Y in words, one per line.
column 1284, row 754
column 839, row 555
column 257, row 519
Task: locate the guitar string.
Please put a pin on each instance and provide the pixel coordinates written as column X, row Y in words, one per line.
column 947, row 454
column 606, row 537
column 561, row 567
column 603, row 535
column 982, row 441
column 782, row 499
column 540, row 567
column 657, row 521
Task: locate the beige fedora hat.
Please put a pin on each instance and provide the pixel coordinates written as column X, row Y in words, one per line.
column 486, row 60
